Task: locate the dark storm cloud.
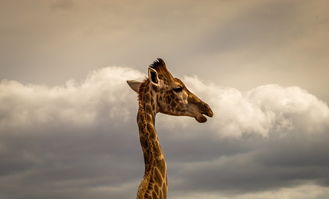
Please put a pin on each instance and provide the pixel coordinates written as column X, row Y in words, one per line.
column 268, row 165
column 69, row 162
column 80, row 140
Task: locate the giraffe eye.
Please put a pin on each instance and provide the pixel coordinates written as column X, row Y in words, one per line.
column 178, row 89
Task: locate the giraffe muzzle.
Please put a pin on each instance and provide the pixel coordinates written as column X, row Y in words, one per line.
column 208, row 112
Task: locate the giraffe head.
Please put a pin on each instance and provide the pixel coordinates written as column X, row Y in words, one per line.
column 172, row 96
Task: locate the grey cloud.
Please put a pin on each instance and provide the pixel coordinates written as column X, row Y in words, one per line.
column 256, row 26
column 270, row 165
column 62, row 5
column 80, row 140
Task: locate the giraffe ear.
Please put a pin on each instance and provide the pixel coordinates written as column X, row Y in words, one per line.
column 153, row 76
column 134, row 85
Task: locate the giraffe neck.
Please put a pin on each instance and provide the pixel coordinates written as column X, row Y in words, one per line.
column 154, row 183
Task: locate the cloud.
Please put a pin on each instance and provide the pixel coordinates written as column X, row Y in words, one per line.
column 100, row 97
column 80, row 140
column 263, row 110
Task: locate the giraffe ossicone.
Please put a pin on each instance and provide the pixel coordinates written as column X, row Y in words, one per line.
column 161, row 93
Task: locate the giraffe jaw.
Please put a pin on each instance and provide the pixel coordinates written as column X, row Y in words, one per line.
column 201, row 118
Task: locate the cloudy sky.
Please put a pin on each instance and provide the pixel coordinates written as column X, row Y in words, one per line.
column 68, row 119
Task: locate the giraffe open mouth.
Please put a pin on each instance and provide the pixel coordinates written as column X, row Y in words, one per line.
column 201, row 118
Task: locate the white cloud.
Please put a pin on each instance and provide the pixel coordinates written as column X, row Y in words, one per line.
column 104, row 93
column 262, row 110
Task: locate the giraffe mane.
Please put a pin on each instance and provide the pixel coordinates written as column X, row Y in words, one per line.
column 158, row 63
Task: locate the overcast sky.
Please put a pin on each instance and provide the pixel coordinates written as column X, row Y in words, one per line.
column 68, row 119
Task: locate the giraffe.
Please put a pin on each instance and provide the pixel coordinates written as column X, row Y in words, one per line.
column 161, row 93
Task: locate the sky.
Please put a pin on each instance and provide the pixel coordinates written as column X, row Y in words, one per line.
column 68, row 119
